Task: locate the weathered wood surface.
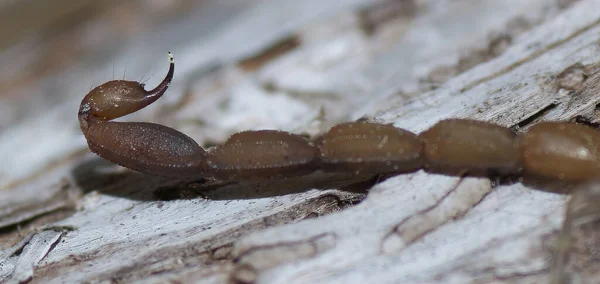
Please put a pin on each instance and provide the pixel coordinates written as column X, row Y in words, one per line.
column 68, row 216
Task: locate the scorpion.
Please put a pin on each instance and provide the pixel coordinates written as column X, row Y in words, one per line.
column 555, row 151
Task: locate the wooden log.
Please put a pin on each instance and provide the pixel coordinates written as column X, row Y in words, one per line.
column 497, row 61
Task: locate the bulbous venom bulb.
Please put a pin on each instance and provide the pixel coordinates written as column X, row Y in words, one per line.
column 145, row 147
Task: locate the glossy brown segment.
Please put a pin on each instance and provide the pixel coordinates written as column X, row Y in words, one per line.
column 364, row 147
column 147, row 147
column 563, row 151
column 263, row 154
column 459, row 146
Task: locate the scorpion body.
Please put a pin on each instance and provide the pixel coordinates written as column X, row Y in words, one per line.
column 557, row 151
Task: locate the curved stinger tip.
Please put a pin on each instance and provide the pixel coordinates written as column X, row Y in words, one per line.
column 171, row 60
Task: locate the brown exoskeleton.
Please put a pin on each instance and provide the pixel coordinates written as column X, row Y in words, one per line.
column 549, row 150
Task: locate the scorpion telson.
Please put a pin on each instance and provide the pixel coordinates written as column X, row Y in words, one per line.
column 145, row 147
column 549, row 150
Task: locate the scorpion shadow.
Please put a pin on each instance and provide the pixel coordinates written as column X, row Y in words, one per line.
column 97, row 174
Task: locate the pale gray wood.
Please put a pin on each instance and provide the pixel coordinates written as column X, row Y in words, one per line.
column 413, row 241
column 416, row 228
column 36, row 249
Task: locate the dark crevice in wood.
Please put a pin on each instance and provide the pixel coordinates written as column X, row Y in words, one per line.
column 539, row 52
column 283, row 46
column 534, row 117
column 382, row 12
